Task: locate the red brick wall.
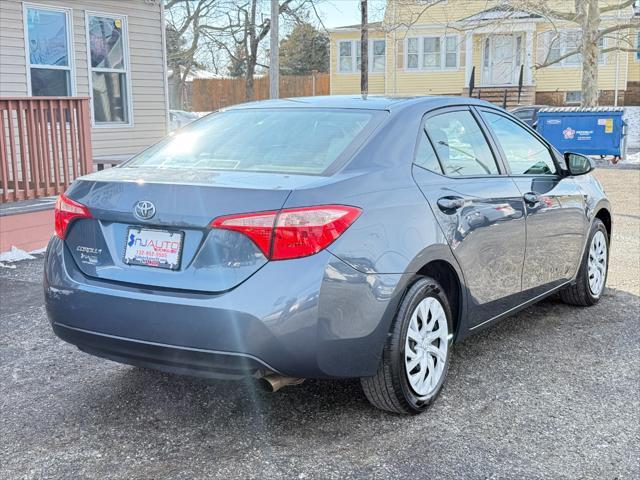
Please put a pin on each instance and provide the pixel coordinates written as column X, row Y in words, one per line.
column 632, row 97
column 606, row 97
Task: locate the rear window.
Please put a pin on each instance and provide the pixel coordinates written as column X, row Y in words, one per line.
column 304, row 141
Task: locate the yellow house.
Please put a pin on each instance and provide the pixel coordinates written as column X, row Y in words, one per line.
column 435, row 47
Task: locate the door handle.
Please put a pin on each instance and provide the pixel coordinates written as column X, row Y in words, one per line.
column 531, row 198
column 449, row 205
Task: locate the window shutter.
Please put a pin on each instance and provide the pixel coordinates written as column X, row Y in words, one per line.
column 400, row 54
column 462, row 48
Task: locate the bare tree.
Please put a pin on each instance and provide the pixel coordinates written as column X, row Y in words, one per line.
column 185, row 20
column 246, row 24
column 588, row 16
column 232, row 29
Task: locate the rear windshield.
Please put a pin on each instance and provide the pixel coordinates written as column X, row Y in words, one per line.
column 304, row 141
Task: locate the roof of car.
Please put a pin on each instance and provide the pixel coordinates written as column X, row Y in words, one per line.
column 372, row 102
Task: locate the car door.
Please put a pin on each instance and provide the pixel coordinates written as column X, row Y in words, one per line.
column 556, row 223
column 479, row 209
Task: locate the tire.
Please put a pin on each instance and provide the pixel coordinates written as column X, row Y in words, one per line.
column 581, row 292
column 394, row 387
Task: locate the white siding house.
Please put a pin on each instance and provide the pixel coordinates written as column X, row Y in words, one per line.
column 108, row 50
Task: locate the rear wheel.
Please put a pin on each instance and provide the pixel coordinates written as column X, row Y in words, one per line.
column 592, row 274
column 416, row 356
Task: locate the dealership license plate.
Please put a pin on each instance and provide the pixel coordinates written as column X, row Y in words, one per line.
column 153, row 248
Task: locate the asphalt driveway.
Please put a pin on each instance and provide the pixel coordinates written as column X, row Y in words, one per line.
column 553, row 392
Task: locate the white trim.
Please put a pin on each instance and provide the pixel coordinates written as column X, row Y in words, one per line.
column 354, row 64
column 420, row 53
column 71, row 68
column 127, row 68
column 528, row 57
column 506, row 27
column 468, row 53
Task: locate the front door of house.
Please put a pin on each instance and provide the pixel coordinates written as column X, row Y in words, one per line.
column 500, row 59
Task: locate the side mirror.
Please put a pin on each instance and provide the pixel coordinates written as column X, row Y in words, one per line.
column 578, row 164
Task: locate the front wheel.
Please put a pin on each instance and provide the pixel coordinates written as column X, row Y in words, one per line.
column 592, row 274
column 416, row 356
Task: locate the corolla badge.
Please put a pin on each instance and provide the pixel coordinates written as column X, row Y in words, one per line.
column 144, row 210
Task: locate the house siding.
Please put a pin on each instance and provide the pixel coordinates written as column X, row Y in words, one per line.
column 146, row 59
column 345, row 83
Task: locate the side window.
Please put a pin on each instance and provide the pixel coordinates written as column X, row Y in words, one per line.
column 50, row 63
column 525, row 154
column 460, row 144
column 425, row 155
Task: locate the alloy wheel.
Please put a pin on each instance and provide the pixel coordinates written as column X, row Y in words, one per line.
column 426, row 346
column 597, row 265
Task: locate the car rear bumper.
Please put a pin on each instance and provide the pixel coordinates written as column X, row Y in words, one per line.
column 313, row 317
column 169, row 358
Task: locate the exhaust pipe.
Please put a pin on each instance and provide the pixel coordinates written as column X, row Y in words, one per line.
column 272, row 382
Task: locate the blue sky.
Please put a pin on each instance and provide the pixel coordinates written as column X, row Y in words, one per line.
column 336, row 13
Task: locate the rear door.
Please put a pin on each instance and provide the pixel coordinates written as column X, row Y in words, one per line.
column 555, row 220
column 478, row 207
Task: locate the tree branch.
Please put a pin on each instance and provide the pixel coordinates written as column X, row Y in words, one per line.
column 617, row 6
column 616, row 28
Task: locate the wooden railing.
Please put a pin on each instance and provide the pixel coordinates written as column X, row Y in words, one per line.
column 45, row 142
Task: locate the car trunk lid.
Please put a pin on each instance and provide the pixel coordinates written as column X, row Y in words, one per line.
column 185, row 202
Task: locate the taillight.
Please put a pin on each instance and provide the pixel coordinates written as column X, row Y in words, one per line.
column 65, row 212
column 292, row 232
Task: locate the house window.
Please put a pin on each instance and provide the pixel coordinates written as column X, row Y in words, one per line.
column 109, row 71
column 50, row 62
column 573, row 97
column 349, row 56
column 432, row 53
column 451, row 52
column 377, row 65
column 561, row 43
column 346, row 60
column 412, row 53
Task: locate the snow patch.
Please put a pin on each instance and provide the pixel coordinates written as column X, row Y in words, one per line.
column 632, row 118
column 16, row 255
column 633, row 159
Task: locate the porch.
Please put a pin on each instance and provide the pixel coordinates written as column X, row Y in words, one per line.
column 500, row 56
column 45, row 143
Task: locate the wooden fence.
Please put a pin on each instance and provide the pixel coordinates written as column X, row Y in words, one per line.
column 215, row 93
column 45, row 142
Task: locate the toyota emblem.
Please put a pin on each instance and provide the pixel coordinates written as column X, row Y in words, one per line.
column 144, row 210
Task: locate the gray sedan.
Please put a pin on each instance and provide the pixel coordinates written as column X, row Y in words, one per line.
column 324, row 237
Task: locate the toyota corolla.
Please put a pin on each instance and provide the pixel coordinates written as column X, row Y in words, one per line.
column 325, row 237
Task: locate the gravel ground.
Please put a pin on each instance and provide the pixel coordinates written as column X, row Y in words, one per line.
column 550, row 393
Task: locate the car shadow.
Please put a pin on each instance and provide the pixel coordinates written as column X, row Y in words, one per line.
column 123, row 396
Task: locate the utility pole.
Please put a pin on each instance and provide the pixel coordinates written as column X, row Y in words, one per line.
column 364, row 50
column 274, row 52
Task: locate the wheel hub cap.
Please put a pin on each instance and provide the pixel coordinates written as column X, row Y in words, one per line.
column 426, row 346
column 597, row 264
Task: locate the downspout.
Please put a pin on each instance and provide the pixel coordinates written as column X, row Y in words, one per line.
column 165, row 82
column 395, row 51
column 617, row 77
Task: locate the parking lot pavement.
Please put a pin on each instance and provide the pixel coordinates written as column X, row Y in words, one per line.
column 550, row 393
